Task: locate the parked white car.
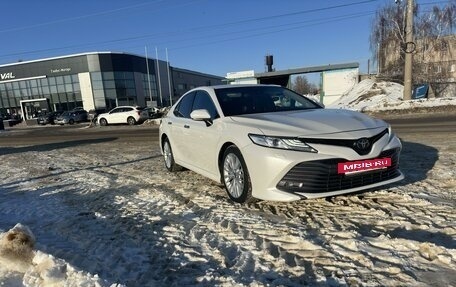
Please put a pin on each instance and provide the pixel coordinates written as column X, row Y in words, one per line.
column 270, row 143
column 123, row 115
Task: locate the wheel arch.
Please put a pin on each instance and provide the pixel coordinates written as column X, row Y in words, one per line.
column 220, row 158
column 162, row 140
column 131, row 117
column 103, row 118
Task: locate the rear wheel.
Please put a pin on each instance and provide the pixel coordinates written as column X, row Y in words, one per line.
column 131, row 121
column 236, row 176
column 103, row 122
column 168, row 156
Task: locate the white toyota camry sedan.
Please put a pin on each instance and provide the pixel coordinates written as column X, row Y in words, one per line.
column 270, row 143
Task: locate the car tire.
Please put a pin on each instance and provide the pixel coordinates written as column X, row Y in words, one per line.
column 235, row 176
column 131, row 121
column 103, row 122
column 168, row 156
column 71, row 121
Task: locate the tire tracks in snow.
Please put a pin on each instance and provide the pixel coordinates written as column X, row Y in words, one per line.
column 129, row 218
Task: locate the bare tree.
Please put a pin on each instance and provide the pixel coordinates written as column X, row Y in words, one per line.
column 302, row 86
column 387, row 34
column 433, row 30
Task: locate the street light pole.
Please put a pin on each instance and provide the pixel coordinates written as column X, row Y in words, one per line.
column 409, row 48
column 148, row 77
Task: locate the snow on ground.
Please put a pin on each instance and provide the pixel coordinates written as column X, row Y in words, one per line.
column 108, row 214
column 372, row 96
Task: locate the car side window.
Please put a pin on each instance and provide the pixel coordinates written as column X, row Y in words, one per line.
column 184, row 108
column 204, row 101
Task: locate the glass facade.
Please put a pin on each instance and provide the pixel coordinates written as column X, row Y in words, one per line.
column 112, row 89
column 150, row 90
column 95, row 80
column 63, row 92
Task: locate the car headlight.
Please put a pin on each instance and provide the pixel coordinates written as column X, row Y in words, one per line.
column 281, row 143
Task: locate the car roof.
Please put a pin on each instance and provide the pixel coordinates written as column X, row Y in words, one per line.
column 218, row 87
column 242, row 86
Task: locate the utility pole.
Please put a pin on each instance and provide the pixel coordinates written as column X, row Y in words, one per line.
column 409, row 48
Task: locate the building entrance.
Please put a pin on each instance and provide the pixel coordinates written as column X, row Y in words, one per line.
column 32, row 108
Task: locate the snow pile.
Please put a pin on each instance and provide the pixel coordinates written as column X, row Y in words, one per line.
column 20, row 265
column 371, row 96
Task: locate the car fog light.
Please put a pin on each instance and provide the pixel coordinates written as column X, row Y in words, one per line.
column 285, row 183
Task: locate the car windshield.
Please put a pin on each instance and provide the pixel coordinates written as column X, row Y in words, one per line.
column 261, row 99
column 65, row 114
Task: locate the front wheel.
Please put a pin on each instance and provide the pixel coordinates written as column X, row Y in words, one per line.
column 168, row 156
column 71, row 122
column 236, row 176
column 103, row 122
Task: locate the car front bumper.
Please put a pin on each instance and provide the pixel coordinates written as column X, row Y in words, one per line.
column 285, row 175
column 62, row 122
column 43, row 122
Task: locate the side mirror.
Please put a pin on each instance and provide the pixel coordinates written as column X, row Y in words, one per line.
column 201, row 115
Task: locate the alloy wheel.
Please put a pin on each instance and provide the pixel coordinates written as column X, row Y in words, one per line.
column 168, row 155
column 233, row 175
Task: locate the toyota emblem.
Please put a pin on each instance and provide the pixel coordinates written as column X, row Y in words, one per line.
column 362, row 144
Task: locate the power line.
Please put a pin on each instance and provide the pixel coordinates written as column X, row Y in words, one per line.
column 317, row 22
column 434, row 2
column 267, row 18
column 271, row 30
column 201, row 28
column 107, row 12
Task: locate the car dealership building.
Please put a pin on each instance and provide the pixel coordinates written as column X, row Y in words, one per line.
column 99, row 80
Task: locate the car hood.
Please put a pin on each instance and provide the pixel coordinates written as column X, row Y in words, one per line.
column 310, row 123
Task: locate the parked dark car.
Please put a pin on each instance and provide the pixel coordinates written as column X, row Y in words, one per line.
column 93, row 114
column 155, row 112
column 5, row 116
column 48, row 118
column 71, row 117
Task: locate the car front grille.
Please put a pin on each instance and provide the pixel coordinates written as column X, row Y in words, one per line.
column 355, row 144
column 321, row 175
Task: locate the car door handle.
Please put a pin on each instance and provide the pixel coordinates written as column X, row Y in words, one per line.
column 170, row 123
column 186, row 126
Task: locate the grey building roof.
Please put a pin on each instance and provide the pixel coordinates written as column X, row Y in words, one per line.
column 314, row 69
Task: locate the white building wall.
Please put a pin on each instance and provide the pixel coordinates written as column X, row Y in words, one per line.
column 86, row 92
column 338, row 82
column 242, row 77
column 245, row 81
